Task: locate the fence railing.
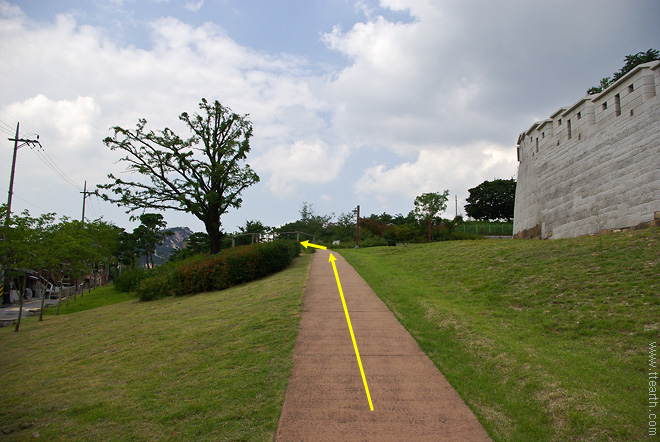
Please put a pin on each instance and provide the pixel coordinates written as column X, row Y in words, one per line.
column 272, row 236
column 487, row 228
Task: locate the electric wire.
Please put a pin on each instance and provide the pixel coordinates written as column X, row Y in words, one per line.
column 2, row 189
column 52, row 165
column 98, row 204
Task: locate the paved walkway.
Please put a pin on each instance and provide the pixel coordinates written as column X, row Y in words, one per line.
column 326, row 399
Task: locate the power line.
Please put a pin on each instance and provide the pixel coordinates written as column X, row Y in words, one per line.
column 6, row 129
column 52, row 165
column 3, row 189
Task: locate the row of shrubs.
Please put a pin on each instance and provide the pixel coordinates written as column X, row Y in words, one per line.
column 207, row 273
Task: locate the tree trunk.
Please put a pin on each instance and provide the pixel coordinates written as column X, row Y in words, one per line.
column 215, row 239
column 430, row 220
column 21, row 293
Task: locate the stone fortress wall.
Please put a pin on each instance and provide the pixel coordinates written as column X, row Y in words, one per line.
column 593, row 166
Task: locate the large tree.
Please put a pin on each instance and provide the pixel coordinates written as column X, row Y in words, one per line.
column 203, row 175
column 151, row 233
column 492, row 200
column 430, row 205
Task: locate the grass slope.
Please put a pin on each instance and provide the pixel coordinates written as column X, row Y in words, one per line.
column 545, row 341
column 206, row 368
column 98, row 297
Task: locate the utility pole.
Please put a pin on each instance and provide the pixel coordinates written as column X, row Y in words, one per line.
column 6, row 299
column 456, row 198
column 85, row 194
column 11, row 178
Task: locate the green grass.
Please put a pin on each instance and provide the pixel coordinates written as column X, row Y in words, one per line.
column 545, row 341
column 210, row 367
column 98, row 297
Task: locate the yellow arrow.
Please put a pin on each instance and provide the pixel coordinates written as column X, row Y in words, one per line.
column 350, row 329
column 307, row 244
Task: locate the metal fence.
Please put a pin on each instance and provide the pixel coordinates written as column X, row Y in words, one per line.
column 487, row 228
column 272, row 236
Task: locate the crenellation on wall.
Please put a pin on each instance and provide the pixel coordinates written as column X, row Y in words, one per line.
column 593, row 167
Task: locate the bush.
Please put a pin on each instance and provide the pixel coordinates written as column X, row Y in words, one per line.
column 154, row 287
column 232, row 267
column 129, row 280
column 375, row 241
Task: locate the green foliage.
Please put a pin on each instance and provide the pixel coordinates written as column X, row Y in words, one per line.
column 150, row 233
column 155, row 287
column 129, row 280
column 429, row 205
column 206, row 185
column 492, row 200
column 215, row 272
column 198, row 243
column 310, row 223
column 631, row 61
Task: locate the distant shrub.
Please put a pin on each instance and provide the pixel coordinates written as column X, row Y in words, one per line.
column 154, row 287
column 376, row 241
column 129, row 280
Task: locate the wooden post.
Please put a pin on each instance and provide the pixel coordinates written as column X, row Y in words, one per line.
column 430, row 220
column 357, row 228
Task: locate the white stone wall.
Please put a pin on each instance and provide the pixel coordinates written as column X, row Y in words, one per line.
column 604, row 174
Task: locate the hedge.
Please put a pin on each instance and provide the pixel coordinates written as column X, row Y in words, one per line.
column 229, row 268
column 129, row 280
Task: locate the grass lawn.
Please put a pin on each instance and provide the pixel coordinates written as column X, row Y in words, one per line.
column 210, row 367
column 98, row 297
column 544, row 340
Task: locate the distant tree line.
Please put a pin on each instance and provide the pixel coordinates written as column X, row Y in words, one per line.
column 490, row 201
column 70, row 252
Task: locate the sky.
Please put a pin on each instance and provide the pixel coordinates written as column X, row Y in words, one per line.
column 352, row 102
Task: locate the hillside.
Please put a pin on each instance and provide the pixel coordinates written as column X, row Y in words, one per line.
column 204, row 368
column 544, row 340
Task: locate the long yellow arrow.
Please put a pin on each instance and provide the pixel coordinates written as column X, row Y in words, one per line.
column 350, row 328
column 307, row 244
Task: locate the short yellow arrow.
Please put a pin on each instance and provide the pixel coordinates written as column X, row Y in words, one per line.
column 307, row 244
column 350, row 329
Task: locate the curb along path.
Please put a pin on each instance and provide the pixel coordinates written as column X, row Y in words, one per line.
column 325, row 399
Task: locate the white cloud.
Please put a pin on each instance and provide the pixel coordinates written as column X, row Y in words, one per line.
column 405, row 89
column 436, row 169
column 451, row 86
column 300, row 163
column 71, row 83
column 72, row 124
column 194, row 6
